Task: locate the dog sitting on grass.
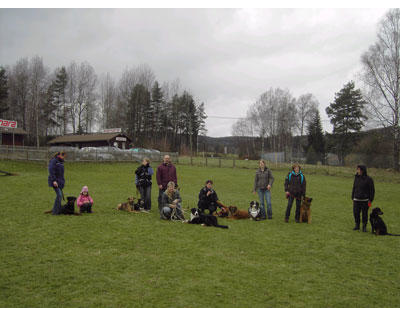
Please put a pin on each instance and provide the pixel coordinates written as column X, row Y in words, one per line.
column 377, row 224
column 68, row 208
column 305, row 210
column 255, row 211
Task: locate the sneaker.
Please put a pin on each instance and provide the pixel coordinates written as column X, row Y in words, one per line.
column 145, row 211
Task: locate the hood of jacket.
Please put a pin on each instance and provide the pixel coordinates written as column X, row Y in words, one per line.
column 363, row 169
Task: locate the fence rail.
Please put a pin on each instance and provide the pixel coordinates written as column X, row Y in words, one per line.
column 44, row 154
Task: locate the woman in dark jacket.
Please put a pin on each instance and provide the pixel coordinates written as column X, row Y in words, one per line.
column 56, row 179
column 295, row 189
column 208, row 198
column 362, row 195
column 143, row 182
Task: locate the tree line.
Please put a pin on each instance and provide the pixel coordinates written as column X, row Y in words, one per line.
column 74, row 99
column 277, row 116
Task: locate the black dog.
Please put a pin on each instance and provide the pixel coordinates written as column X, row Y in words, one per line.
column 254, row 211
column 377, row 224
column 69, row 207
column 197, row 217
column 139, row 205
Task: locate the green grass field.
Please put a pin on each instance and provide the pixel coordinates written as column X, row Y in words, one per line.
column 115, row 259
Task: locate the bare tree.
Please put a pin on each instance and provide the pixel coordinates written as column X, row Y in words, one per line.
column 381, row 75
column 307, row 106
column 81, row 94
column 107, row 101
column 18, row 91
column 37, row 88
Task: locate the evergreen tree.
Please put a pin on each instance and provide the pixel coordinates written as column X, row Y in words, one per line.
column 59, row 87
column 3, row 92
column 346, row 116
column 316, row 140
column 139, row 100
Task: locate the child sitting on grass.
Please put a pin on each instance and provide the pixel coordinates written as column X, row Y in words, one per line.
column 85, row 201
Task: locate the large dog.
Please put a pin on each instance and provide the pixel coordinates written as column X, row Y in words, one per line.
column 197, row 217
column 305, row 210
column 255, row 211
column 378, row 226
column 237, row 214
column 68, row 208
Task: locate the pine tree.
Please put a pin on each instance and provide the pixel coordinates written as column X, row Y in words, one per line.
column 316, row 140
column 3, row 92
column 59, row 93
column 346, row 116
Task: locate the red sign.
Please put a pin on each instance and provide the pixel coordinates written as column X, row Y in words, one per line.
column 7, row 123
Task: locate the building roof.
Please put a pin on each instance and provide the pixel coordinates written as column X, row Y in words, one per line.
column 17, row 131
column 86, row 138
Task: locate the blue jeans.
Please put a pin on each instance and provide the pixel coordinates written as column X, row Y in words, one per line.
column 145, row 195
column 57, row 203
column 267, row 194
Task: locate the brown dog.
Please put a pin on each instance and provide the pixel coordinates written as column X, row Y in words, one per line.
column 224, row 212
column 305, row 210
column 237, row 214
column 127, row 206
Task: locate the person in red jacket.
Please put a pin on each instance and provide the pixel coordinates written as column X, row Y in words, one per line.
column 85, row 201
column 166, row 172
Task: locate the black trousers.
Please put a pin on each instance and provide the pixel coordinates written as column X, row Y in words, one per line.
column 360, row 207
column 87, row 207
column 145, row 195
column 289, row 207
column 203, row 205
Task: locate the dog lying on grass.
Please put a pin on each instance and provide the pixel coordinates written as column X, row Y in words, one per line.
column 378, row 226
column 223, row 212
column 68, row 208
column 305, row 210
column 128, row 206
column 197, row 217
column 235, row 213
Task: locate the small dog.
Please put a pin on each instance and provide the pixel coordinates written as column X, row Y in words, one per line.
column 128, row 206
column 237, row 214
column 139, row 205
column 255, row 211
column 196, row 217
column 378, row 226
column 305, row 210
column 68, row 208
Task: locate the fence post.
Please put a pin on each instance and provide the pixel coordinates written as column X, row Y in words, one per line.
column 191, row 160
column 220, row 162
column 206, row 161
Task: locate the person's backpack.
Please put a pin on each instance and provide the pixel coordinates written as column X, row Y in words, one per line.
column 301, row 177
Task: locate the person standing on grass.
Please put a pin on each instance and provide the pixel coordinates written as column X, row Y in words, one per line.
column 295, row 189
column 166, row 172
column 56, row 179
column 262, row 185
column 143, row 176
column 362, row 195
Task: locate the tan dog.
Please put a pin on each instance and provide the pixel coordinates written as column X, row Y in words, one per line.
column 127, row 206
column 237, row 214
column 305, row 210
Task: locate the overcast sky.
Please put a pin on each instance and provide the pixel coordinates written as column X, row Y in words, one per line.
column 225, row 57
